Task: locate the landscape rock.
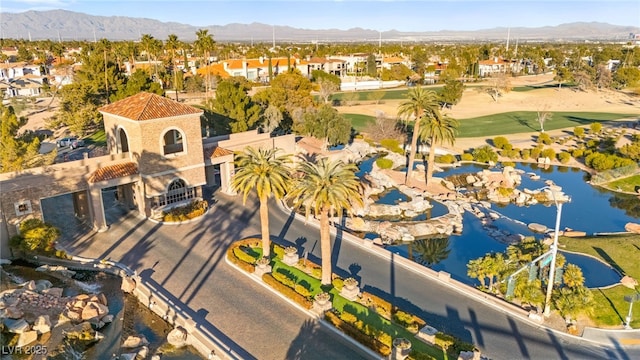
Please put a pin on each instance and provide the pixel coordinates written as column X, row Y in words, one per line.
column 539, row 228
column 54, row 291
column 574, row 233
column 27, row 338
column 42, row 285
column 629, row 282
column 13, row 312
column 135, row 341
column 177, row 337
column 142, row 353
column 30, row 285
column 632, row 228
column 90, row 312
column 42, row 324
column 107, row 319
column 128, row 285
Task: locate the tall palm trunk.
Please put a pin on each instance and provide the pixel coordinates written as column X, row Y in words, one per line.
column 106, row 79
column 325, row 246
column 414, row 149
column 432, row 158
column 264, row 226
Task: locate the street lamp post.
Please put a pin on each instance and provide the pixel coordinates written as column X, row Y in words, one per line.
column 630, row 299
column 554, row 253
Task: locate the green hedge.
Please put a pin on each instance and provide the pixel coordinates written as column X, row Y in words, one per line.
column 392, row 145
column 446, row 159
column 241, row 264
column 384, row 163
column 356, row 334
column 240, row 254
column 287, row 291
column 452, row 344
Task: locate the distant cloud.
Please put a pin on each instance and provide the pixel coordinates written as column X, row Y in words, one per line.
column 35, row 5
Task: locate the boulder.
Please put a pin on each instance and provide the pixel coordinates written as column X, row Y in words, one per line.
column 42, row 324
column 142, row 353
column 16, row 326
column 177, row 337
column 102, row 299
column 107, row 318
column 42, row 285
column 632, row 228
column 128, row 285
column 574, row 233
column 471, row 179
column 539, row 228
column 629, row 282
column 90, row 311
column 27, row 338
column 54, row 291
column 73, row 315
column 30, row 285
column 13, row 312
column 135, row 341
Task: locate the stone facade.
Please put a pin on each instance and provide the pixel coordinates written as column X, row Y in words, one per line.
column 155, row 149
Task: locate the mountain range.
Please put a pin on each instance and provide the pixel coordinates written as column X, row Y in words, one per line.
column 68, row 25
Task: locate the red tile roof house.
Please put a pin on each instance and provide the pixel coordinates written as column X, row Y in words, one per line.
column 157, row 159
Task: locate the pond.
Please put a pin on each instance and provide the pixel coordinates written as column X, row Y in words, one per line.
column 591, row 209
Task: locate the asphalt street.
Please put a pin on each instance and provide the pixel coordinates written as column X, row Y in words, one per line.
column 188, row 262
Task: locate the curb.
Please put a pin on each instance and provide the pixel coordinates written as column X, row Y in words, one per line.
column 470, row 292
column 365, row 350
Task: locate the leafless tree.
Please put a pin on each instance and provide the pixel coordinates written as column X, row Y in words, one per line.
column 384, row 127
column 327, row 88
column 543, row 116
column 603, row 77
column 271, row 119
column 582, row 80
column 499, row 84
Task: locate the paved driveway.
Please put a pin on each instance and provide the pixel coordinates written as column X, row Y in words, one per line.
column 188, row 261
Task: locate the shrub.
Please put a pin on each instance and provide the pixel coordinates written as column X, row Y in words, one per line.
column 284, row 279
column 287, row 291
column 384, row 163
column 564, row 157
column 500, row 142
column 392, row 145
column 418, row 355
column 241, row 264
column 466, row 157
column 485, row 154
column 243, row 256
column 595, row 127
column 358, row 335
column 508, row 163
column 348, row 317
column 578, row 131
column 183, row 213
column 278, row 251
column 403, row 318
column 505, row 191
column 544, row 138
column 525, row 154
column 576, row 153
column 510, row 153
column 36, row 235
column 446, row 159
column 593, row 144
column 535, row 153
column 549, row 152
column 381, row 306
column 337, row 283
column 316, row 272
column 300, row 289
column 384, row 338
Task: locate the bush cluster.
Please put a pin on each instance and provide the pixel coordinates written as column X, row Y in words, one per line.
column 287, row 291
column 446, row 159
column 352, row 331
column 241, row 264
column 485, row 154
column 548, row 153
column 36, row 235
column 466, row 157
column 379, row 305
column 600, row 161
column 384, row 163
column 578, row 131
column 544, row 138
column 337, row 283
column 392, row 145
column 564, row 157
column 278, row 250
column 500, row 142
column 451, row 344
column 183, row 213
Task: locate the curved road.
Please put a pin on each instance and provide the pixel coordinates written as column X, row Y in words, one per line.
column 188, row 261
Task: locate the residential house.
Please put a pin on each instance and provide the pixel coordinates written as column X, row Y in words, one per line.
column 497, row 65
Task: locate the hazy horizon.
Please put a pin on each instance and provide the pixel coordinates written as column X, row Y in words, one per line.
column 381, row 15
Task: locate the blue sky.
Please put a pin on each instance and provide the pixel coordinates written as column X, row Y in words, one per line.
column 410, row 15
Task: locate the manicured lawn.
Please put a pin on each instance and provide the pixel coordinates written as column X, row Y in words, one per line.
column 98, row 138
column 363, row 313
column 621, row 252
column 628, row 184
column 526, row 121
column 394, row 94
column 359, row 121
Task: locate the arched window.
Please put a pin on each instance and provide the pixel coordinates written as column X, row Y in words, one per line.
column 177, row 191
column 123, row 141
column 172, row 142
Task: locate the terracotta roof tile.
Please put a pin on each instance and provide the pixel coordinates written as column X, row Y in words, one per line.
column 216, row 151
column 148, row 106
column 113, row 172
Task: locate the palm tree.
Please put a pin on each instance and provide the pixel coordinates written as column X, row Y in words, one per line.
column 106, row 47
column 204, row 43
column 572, row 276
column 431, row 251
column 172, row 45
column 418, row 102
column 437, row 128
column 267, row 173
column 475, row 270
column 326, row 187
